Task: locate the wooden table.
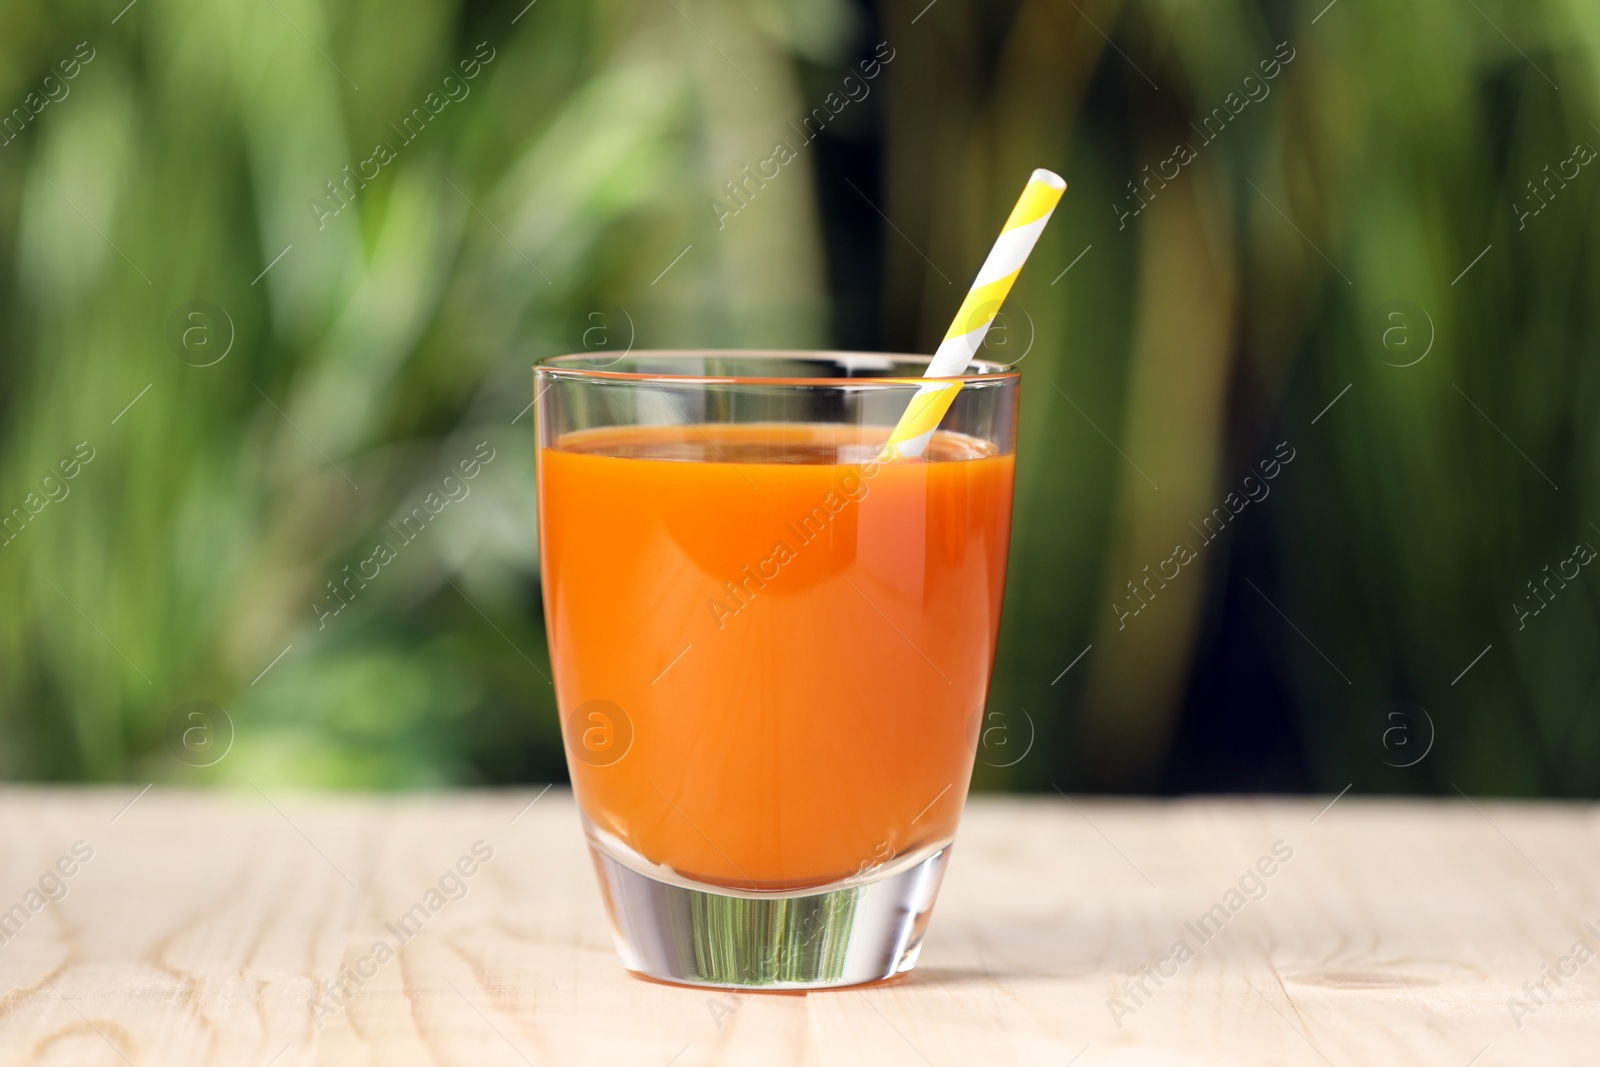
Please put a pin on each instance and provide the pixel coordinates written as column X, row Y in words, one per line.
column 198, row 930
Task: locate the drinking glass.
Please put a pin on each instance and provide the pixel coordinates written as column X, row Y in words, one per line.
column 771, row 651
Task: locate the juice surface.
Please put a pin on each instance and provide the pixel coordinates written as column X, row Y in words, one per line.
column 771, row 654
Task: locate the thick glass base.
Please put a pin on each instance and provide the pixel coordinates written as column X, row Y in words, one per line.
column 860, row 930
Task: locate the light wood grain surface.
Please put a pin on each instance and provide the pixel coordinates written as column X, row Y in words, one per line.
column 203, row 924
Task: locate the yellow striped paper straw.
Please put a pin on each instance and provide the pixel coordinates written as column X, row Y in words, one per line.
column 988, row 292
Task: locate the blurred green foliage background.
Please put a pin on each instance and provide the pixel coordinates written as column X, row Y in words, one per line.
column 263, row 371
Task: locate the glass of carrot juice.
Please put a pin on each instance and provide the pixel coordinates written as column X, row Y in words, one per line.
column 771, row 651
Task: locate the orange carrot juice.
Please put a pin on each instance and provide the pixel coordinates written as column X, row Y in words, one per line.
column 771, row 652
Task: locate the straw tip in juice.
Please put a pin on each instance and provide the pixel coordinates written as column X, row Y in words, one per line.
column 1049, row 177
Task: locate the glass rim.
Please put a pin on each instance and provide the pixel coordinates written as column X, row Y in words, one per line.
column 993, row 372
